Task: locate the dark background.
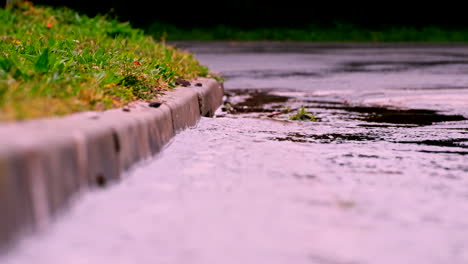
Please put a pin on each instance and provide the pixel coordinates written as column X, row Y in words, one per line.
column 264, row 13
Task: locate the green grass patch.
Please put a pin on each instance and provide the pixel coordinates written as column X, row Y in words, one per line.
column 56, row 61
column 336, row 33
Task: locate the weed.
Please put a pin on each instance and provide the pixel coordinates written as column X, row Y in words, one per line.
column 303, row 115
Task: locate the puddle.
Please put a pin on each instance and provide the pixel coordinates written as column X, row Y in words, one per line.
column 266, row 101
column 340, row 122
column 445, row 152
column 457, row 143
column 378, row 114
column 420, row 117
column 264, row 74
column 393, row 66
column 383, row 125
column 434, row 88
column 325, row 138
column 253, row 101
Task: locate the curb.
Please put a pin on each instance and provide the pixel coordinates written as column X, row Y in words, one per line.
column 45, row 163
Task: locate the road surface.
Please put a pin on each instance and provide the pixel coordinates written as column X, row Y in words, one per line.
column 380, row 177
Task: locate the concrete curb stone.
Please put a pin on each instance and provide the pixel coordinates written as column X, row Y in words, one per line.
column 185, row 111
column 210, row 96
column 45, row 163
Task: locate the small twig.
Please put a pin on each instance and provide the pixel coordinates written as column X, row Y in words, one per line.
column 275, row 114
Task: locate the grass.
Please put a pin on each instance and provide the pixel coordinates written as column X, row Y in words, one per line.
column 56, row 62
column 337, row 33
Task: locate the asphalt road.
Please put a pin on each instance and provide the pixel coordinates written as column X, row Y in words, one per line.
column 380, row 177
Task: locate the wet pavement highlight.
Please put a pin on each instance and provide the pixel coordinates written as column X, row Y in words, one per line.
column 380, row 177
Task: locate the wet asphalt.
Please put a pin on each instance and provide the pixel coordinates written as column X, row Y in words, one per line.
column 380, row 176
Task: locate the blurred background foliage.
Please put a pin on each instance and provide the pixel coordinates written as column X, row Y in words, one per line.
column 377, row 21
column 248, row 14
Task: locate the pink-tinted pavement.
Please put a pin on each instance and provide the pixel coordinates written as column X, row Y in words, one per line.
column 365, row 184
